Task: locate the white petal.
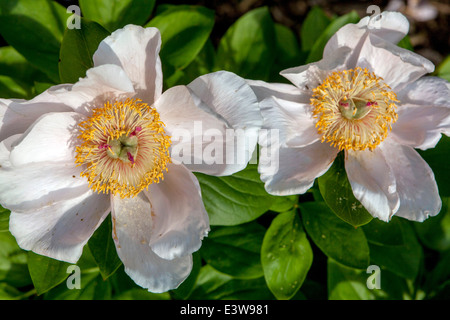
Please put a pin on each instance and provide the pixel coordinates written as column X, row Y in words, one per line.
column 132, row 230
column 36, row 185
column 416, row 185
column 60, row 230
column 136, row 50
column 397, row 66
column 17, row 115
column 288, row 171
column 229, row 99
column 5, row 150
column 180, row 219
column 284, row 91
column 310, row 76
column 204, row 140
column 389, row 26
column 372, row 182
column 424, row 113
column 102, row 83
column 293, row 120
column 51, row 138
column 286, row 109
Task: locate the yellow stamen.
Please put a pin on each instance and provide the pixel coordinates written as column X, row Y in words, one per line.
column 354, row 109
column 124, row 148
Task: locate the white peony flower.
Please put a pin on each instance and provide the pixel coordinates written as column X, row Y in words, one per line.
column 75, row 153
column 368, row 99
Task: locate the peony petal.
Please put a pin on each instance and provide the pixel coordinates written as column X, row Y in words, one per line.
column 5, row 151
column 230, row 99
column 51, row 138
column 206, row 134
column 372, row 182
column 416, row 185
column 180, row 219
column 310, row 76
column 136, row 50
column 132, row 230
column 35, row 185
column 16, row 115
column 102, row 83
column 282, row 110
column 293, row 120
column 288, row 171
column 424, row 113
column 397, row 66
column 389, row 26
column 60, row 230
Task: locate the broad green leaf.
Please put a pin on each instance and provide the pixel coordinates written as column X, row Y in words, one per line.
column 4, row 219
column 288, row 53
column 405, row 43
column 214, row 285
column 438, row 278
column 437, row 159
column 282, row 204
column 77, row 48
column 338, row 195
column 248, row 47
column 316, row 52
column 8, row 292
column 184, row 31
column 35, row 29
column 45, row 272
column 435, row 231
column 313, row 26
column 286, row 255
column 235, row 250
column 141, row 294
column 443, row 70
column 115, row 14
column 103, row 249
column 345, row 283
column 402, row 259
column 13, row 261
column 234, row 199
column 12, row 88
column 337, row 239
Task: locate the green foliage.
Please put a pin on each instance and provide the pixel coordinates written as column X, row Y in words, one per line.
column 318, row 245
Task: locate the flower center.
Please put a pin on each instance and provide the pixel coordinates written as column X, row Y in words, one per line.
column 354, row 109
column 124, row 148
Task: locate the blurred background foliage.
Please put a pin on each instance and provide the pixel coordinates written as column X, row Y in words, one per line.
column 260, row 246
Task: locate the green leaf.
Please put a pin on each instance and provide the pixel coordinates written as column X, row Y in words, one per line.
column 313, row 26
column 13, row 261
column 184, row 31
column 35, row 29
column 248, row 48
column 77, row 48
column 337, row 239
column 437, row 159
column 345, row 283
column 338, row 195
column 214, row 285
column 402, row 258
column 45, row 272
column 115, row 14
column 103, row 249
column 288, row 53
column 4, row 219
column 435, row 231
column 316, row 52
column 443, row 69
column 286, row 255
column 235, row 199
column 242, row 245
